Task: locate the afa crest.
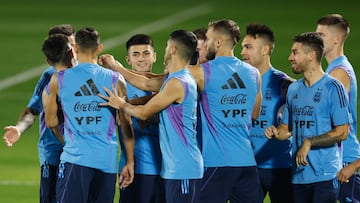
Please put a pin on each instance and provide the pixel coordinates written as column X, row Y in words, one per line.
column 317, row 97
column 268, row 95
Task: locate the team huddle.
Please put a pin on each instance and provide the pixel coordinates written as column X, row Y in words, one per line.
column 212, row 128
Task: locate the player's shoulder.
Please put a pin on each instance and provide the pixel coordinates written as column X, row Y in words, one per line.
column 48, row 71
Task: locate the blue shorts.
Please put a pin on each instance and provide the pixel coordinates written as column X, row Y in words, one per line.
column 144, row 189
column 319, row 192
column 48, row 183
column 182, row 191
column 351, row 190
column 237, row 184
column 276, row 182
column 83, row 184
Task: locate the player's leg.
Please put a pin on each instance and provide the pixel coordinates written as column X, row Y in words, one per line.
column 216, row 185
column 350, row 192
column 280, row 190
column 182, row 191
column 102, row 188
column 143, row 189
column 73, row 183
column 302, row 193
column 265, row 179
column 326, row 191
column 48, row 182
column 247, row 186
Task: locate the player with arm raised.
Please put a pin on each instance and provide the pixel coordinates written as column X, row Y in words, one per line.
column 49, row 146
column 226, row 146
column 88, row 167
column 182, row 166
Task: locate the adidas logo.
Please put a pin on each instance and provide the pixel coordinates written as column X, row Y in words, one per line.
column 85, row 91
column 234, row 82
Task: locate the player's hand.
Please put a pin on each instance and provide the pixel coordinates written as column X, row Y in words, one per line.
column 271, row 132
column 302, row 153
column 11, row 135
column 106, row 60
column 345, row 173
column 126, row 176
column 112, row 99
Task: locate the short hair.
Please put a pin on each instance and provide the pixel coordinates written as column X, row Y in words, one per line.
column 56, row 49
column 263, row 31
column 87, row 38
column 65, row 29
column 336, row 20
column 200, row 33
column 313, row 41
column 187, row 43
column 139, row 39
column 227, row 27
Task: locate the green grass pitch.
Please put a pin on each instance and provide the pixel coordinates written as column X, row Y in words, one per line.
column 24, row 25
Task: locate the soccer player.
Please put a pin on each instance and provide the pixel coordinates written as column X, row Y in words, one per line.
column 202, row 50
column 317, row 118
column 273, row 157
column 201, row 47
column 182, row 165
column 231, row 98
column 230, row 92
column 346, row 172
column 49, row 147
column 334, row 30
column 87, row 172
column 147, row 156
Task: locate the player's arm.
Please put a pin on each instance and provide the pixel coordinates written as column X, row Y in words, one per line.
column 55, row 130
column 154, row 119
column 25, row 121
column 282, row 132
column 140, row 81
column 346, row 172
column 258, row 100
column 337, row 134
column 341, row 75
column 127, row 173
column 198, row 74
column 50, row 105
column 172, row 92
column 148, row 74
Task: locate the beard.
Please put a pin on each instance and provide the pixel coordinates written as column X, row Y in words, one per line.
column 210, row 55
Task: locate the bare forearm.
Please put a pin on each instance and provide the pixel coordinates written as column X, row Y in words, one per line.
column 128, row 135
column 137, row 111
column 284, row 132
column 26, row 120
column 356, row 164
column 334, row 136
column 51, row 118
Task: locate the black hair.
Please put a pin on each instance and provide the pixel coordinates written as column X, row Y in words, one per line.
column 187, row 43
column 139, row 39
column 312, row 40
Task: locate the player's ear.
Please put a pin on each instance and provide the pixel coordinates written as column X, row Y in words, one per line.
column 49, row 62
column 70, row 57
column 127, row 58
column 99, row 48
column 76, row 48
column 154, row 57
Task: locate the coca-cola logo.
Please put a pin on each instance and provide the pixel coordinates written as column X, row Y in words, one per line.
column 236, row 99
column 92, row 106
column 303, row 111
